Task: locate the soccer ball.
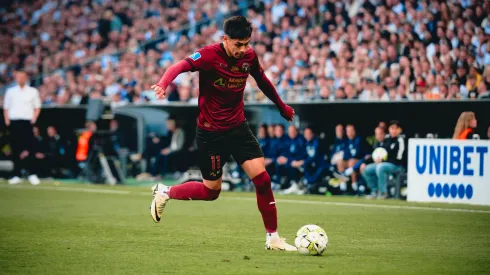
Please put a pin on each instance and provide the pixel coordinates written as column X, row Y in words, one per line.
column 380, row 153
column 311, row 240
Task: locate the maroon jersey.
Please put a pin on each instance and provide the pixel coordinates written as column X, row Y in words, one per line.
column 222, row 80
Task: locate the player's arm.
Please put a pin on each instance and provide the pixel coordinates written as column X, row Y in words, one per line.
column 198, row 61
column 6, row 106
column 170, row 74
column 269, row 90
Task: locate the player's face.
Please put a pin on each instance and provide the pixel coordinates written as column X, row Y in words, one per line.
column 339, row 131
column 292, row 132
column 351, row 132
column 308, row 134
column 278, row 132
column 394, row 131
column 473, row 123
column 379, row 134
column 236, row 47
column 21, row 78
column 262, row 132
column 51, row 131
column 270, row 131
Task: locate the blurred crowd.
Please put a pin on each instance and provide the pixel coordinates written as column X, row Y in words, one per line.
column 369, row 50
column 44, row 36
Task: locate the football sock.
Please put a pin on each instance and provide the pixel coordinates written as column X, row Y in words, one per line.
column 269, row 236
column 193, row 190
column 265, row 201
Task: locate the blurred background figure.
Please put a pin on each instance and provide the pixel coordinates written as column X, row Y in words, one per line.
column 21, row 108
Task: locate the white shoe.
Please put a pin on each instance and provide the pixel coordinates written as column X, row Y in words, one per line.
column 279, row 244
column 160, row 199
column 15, row 180
column 292, row 189
column 355, row 186
column 301, row 191
column 343, row 186
column 371, row 196
column 34, row 180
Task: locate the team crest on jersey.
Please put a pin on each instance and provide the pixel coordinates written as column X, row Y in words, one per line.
column 245, row 67
column 195, row 56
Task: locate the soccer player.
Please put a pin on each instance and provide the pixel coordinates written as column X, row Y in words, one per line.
column 222, row 128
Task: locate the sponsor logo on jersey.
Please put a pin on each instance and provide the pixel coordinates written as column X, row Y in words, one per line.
column 236, row 82
column 235, row 69
column 231, row 83
column 220, row 82
column 245, row 67
column 195, row 56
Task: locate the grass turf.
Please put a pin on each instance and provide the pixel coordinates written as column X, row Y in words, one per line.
column 86, row 231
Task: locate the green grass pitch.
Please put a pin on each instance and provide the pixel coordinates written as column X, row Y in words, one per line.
column 87, row 229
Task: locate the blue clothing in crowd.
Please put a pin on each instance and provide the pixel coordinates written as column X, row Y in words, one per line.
column 355, row 148
column 338, row 146
column 314, row 162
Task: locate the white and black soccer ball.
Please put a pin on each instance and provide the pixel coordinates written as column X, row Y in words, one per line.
column 380, row 153
column 311, row 240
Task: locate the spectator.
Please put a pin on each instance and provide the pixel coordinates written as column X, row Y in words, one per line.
column 21, row 109
column 291, row 159
column 56, row 152
column 314, row 162
column 154, row 146
column 372, row 140
column 171, row 154
column 270, row 131
column 488, row 132
column 40, row 165
column 355, row 150
column 377, row 173
column 465, row 127
column 337, row 150
column 278, row 146
column 265, row 145
column 380, row 135
column 85, row 141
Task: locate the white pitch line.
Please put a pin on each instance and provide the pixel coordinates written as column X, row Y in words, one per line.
column 385, row 206
column 70, row 189
column 370, row 205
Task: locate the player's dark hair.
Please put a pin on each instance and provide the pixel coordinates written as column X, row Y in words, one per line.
column 238, row 27
column 395, row 122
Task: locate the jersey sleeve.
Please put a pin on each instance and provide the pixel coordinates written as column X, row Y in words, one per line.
column 201, row 60
column 256, row 70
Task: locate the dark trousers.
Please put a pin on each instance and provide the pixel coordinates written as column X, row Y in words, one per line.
column 21, row 139
column 165, row 163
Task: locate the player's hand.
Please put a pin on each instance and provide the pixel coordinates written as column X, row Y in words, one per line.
column 288, row 113
column 159, row 92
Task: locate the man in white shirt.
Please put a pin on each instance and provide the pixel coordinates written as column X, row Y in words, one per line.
column 21, row 109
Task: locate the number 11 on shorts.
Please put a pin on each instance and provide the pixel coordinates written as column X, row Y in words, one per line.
column 215, row 163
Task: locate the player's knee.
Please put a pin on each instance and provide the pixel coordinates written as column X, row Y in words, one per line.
column 262, row 181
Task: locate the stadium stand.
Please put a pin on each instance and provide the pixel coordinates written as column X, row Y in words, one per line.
column 313, row 50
